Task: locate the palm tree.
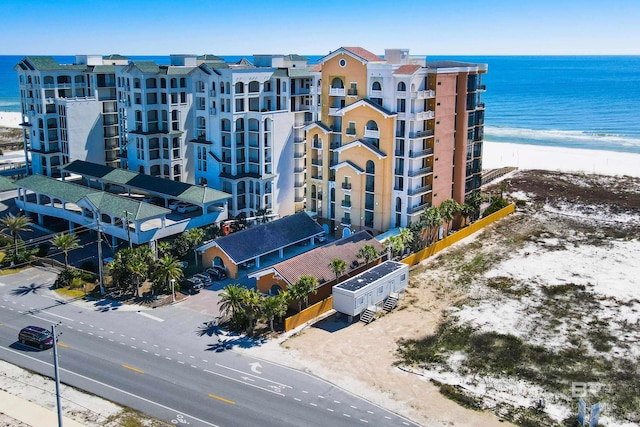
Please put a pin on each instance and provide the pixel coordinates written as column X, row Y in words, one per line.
column 466, row 211
column 448, row 211
column 231, row 299
column 65, row 243
column 406, row 235
column 138, row 269
column 368, row 252
column 475, row 200
column 273, row 306
column 338, row 267
column 431, row 220
column 14, row 225
column 396, row 245
column 302, row 288
column 252, row 305
column 262, row 213
column 166, row 269
column 164, row 248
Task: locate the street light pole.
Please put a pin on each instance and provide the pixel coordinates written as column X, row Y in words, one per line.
column 57, row 375
column 173, row 290
column 100, row 261
column 126, row 215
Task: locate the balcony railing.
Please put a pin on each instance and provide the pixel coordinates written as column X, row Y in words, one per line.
column 376, row 94
column 345, row 221
column 418, row 208
column 298, row 140
column 333, row 111
column 421, row 133
column 420, row 153
column 336, row 91
column 419, row 190
column 351, row 131
column 482, row 88
column 346, row 204
column 423, row 115
column 316, row 162
column 372, row 133
column 423, row 94
column 352, row 92
column 421, row 171
column 298, row 154
column 480, row 106
column 346, row 186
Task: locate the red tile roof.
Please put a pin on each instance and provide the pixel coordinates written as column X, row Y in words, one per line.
column 316, row 262
column 317, row 68
column 363, row 53
column 407, row 69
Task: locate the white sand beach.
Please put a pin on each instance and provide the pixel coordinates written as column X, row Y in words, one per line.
column 523, row 156
column 10, row 119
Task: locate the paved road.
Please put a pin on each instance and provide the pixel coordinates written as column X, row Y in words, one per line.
column 170, row 363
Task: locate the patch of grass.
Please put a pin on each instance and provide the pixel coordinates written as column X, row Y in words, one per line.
column 508, row 285
column 458, row 395
column 600, row 336
column 8, row 271
column 70, row 293
column 564, row 289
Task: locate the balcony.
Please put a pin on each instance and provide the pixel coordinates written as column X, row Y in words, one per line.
column 351, row 131
column 346, row 204
column 422, row 171
column 299, row 140
column 372, row 133
column 212, row 111
column 423, row 94
column 336, row 91
column 482, row 88
column 298, row 155
column 333, row 111
column 352, row 92
column 420, row 153
column 422, row 115
column 419, row 208
column 316, row 162
column 398, row 172
column 345, row 221
column 212, row 92
column 346, row 186
column 420, row 190
column 376, row 94
column 421, row 134
column 317, row 145
column 317, row 176
column 480, row 106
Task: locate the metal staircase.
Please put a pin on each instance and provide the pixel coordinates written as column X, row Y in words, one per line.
column 367, row 316
column 391, row 302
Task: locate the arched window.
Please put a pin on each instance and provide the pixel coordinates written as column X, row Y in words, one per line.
column 337, row 83
column 150, row 83
column 213, row 86
column 398, row 204
column 376, row 86
column 372, row 125
column 239, row 87
column 226, row 125
column 371, row 168
column 183, row 82
column 254, row 86
column 228, row 87
column 254, row 125
column 174, row 83
column 240, row 124
column 136, row 83
column 402, row 87
column 48, row 80
column 163, row 83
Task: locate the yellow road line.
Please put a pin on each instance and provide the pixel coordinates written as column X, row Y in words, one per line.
column 230, row 402
column 62, row 345
column 133, row 369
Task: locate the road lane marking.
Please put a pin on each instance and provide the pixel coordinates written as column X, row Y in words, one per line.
column 336, row 401
column 299, row 400
column 347, row 415
column 321, row 397
column 181, row 362
column 62, row 345
column 353, row 407
column 254, row 376
column 159, row 405
column 387, row 417
column 242, row 382
column 370, row 412
column 222, row 399
column 364, row 421
column 305, row 391
column 133, row 369
column 150, row 316
column 313, row 404
column 329, row 409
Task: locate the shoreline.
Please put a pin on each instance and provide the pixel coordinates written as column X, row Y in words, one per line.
column 523, row 156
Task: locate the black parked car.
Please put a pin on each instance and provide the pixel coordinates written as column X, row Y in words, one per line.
column 36, row 336
column 216, row 273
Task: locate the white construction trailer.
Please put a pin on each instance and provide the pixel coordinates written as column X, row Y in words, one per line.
column 378, row 288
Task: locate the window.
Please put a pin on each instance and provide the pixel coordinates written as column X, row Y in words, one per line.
column 342, row 62
column 239, row 87
column 403, row 277
column 376, row 86
column 359, row 301
column 402, row 87
column 380, row 290
column 401, row 105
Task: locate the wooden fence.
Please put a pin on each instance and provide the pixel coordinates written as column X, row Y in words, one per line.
column 436, row 247
column 308, row 313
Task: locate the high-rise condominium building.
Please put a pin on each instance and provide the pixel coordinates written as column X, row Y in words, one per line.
column 396, row 135
column 362, row 141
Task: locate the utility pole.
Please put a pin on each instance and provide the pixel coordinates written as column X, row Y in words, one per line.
column 100, row 261
column 56, row 373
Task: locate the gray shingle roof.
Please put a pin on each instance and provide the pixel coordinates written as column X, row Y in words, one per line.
column 6, row 184
column 114, row 57
column 295, row 57
column 266, row 238
column 48, row 63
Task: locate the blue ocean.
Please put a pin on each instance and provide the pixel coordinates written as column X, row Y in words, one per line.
column 568, row 101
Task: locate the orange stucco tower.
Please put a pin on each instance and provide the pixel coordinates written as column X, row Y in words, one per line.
column 395, row 135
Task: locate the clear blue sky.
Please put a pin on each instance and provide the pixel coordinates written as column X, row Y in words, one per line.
column 232, row 27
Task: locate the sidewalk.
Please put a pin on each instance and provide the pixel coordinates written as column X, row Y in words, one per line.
column 30, row 413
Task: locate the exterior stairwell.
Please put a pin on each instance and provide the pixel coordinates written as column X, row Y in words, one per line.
column 391, row 302
column 367, row 316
